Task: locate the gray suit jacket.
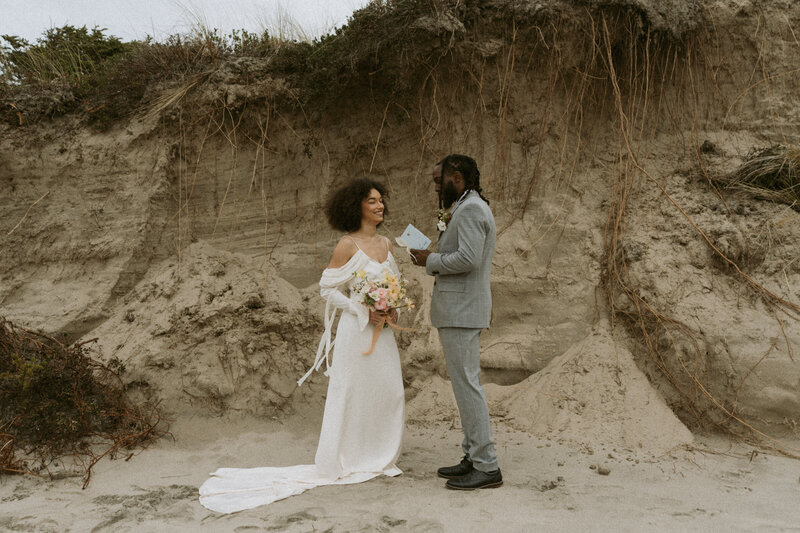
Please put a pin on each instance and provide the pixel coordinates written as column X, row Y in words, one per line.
column 462, row 296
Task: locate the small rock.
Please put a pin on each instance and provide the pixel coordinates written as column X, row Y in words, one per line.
column 218, row 270
column 603, row 470
column 560, row 463
column 592, row 467
column 709, row 148
column 129, row 316
column 254, row 302
column 548, row 486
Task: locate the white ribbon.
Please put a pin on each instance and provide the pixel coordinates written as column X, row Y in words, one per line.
column 325, row 343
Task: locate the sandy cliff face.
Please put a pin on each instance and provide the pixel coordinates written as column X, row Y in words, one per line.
column 99, row 219
column 743, row 348
column 190, row 242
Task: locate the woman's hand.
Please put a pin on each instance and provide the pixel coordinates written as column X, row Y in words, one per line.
column 375, row 317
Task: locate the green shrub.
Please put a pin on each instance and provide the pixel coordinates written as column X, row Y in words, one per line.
column 75, row 69
column 383, row 48
column 63, row 53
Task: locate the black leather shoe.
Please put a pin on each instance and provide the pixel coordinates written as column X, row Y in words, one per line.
column 476, row 480
column 454, row 472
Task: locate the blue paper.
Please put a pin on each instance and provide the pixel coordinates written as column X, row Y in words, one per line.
column 414, row 239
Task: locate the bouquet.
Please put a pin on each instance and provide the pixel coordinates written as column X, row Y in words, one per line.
column 384, row 293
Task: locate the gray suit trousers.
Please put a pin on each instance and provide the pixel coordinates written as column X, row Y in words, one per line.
column 461, row 347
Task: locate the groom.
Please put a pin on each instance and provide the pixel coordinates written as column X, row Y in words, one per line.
column 461, row 307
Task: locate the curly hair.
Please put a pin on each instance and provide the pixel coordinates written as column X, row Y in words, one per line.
column 343, row 207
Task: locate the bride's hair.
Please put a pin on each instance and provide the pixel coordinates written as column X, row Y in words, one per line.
column 343, row 207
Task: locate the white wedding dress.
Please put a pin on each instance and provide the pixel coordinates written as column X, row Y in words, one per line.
column 362, row 427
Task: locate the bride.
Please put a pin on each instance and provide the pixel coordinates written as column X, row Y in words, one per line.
column 362, row 426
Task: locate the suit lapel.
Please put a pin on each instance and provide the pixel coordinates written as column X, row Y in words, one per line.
column 461, row 201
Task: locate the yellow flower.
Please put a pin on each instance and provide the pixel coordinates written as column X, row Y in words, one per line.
column 361, row 274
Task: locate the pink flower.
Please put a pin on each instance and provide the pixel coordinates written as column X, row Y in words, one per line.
column 382, row 304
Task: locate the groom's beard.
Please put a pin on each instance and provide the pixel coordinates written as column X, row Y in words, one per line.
column 449, row 195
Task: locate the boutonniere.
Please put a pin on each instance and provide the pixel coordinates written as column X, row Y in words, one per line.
column 444, row 218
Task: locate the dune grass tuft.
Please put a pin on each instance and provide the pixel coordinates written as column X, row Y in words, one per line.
column 771, row 173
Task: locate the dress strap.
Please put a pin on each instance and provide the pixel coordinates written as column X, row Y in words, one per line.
column 354, row 242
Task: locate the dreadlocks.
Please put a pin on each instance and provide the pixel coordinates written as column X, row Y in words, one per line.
column 468, row 169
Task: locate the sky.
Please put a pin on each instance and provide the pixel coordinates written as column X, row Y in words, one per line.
column 135, row 19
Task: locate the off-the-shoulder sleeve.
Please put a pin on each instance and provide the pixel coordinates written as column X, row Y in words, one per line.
column 330, row 284
column 335, row 297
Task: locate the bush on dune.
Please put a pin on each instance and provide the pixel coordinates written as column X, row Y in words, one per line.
column 58, row 403
column 75, row 69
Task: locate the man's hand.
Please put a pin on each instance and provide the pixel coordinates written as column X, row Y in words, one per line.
column 420, row 257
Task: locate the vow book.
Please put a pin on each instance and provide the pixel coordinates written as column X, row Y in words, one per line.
column 412, row 238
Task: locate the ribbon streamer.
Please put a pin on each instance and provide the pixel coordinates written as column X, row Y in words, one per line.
column 379, row 327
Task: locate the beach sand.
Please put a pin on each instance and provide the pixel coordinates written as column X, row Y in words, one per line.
column 547, row 487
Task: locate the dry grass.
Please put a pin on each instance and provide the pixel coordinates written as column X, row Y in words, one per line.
column 771, row 173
